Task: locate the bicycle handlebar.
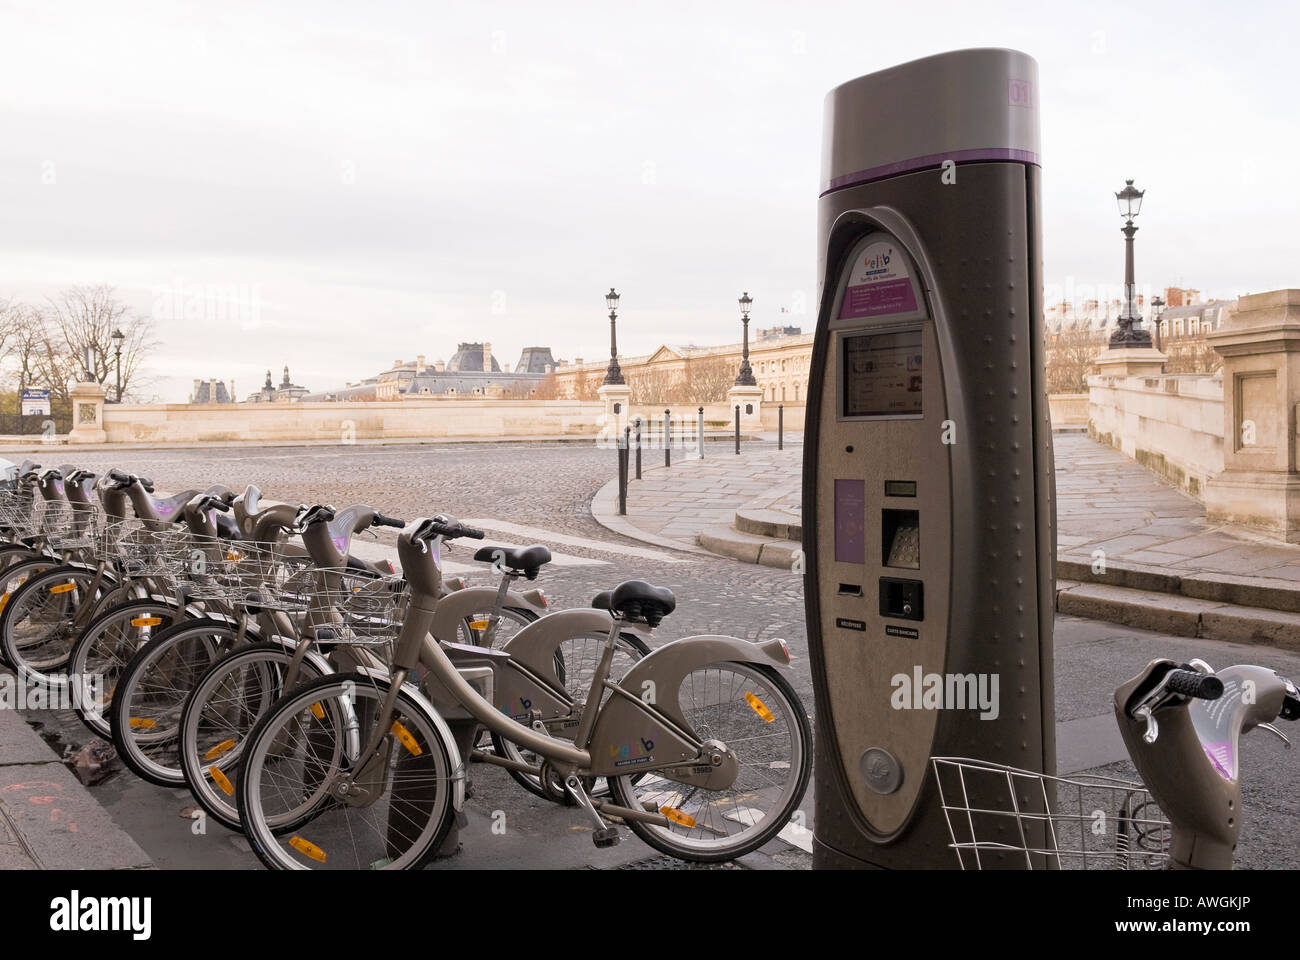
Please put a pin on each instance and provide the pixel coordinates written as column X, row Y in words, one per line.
column 448, row 528
column 383, row 521
column 1193, row 683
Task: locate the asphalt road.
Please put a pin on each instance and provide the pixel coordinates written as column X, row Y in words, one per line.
column 546, row 488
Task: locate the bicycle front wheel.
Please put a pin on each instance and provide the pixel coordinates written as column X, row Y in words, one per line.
column 145, row 711
column 221, row 713
column 39, row 624
column 303, row 752
column 103, row 651
column 757, row 714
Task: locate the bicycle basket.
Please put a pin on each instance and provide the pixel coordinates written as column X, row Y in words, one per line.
column 1001, row 816
column 359, row 610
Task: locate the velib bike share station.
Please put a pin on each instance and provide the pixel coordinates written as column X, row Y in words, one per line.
column 929, row 528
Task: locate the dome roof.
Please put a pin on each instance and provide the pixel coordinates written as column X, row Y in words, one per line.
column 469, row 357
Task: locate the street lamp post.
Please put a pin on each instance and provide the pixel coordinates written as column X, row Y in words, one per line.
column 1157, row 308
column 117, row 336
column 746, row 377
column 613, row 373
column 1127, row 332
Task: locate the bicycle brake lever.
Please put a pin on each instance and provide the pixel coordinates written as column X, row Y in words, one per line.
column 1153, row 727
column 1276, row 732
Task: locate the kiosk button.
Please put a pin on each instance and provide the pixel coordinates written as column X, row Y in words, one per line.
column 901, row 599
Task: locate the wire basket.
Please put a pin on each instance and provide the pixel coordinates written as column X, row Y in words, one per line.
column 20, row 516
column 357, row 609
column 81, row 530
column 137, row 552
column 1000, row 816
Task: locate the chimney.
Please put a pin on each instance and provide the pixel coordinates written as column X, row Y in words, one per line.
column 194, row 397
column 212, row 390
column 505, row 368
column 439, row 366
column 419, row 365
column 232, row 390
column 549, row 368
column 578, row 361
column 487, row 358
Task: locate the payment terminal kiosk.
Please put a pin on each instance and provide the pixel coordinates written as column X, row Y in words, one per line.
column 928, row 496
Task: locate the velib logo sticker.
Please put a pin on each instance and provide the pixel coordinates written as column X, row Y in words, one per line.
column 77, row 914
column 632, row 754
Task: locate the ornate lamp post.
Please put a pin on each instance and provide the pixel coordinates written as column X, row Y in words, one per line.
column 613, row 373
column 117, row 336
column 1127, row 332
column 1157, row 308
column 746, row 377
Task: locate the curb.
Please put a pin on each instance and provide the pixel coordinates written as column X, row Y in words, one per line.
column 1178, row 615
column 604, row 510
column 35, row 448
column 48, row 819
column 1260, row 592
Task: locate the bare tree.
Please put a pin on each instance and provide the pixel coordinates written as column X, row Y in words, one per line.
column 707, row 380
column 1190, row 355
column 656, row 386
column 546, row 388
column 586, row 384
column 82, row 320
column 1071, row 357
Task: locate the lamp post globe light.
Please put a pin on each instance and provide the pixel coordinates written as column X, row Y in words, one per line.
column 117, row 336
column 613, row 373
column 746, row 376
column 1127, row 332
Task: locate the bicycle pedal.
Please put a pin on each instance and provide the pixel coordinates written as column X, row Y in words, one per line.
column 605, row 837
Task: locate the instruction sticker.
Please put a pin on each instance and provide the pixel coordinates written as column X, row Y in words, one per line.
column 879, row 283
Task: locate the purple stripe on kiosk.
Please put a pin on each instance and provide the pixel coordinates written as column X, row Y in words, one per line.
column 850, row 521
column 878, row 299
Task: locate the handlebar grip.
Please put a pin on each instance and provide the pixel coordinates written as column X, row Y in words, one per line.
column 219, row 503
column 472, row 533
column 383, row 521
column 1193, row 683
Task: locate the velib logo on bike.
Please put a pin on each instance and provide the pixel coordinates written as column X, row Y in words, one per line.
column 77, row 914
column 946, row 691
column 631, row 754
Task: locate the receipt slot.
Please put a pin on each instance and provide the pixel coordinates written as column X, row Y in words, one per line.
column 928, row 511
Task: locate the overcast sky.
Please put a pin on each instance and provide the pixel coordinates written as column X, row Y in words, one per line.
column 380, row 180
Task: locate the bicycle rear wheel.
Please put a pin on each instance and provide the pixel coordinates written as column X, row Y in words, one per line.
column 313, row 737
column 757, row 714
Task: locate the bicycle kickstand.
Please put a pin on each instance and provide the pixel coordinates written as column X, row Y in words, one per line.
column 604, row 834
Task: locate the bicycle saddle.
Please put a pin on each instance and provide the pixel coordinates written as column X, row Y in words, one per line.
column 637, row 600
column 526, row 560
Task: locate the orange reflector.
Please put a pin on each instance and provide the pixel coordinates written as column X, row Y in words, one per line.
column 676, row 816
column 759, row 707
column 146, row 621
column 408, row 741
column 221, row 780
column 143, row 723
column 219, row 749
column 4, row 601
column 318, row 711
column 479, row 624
column 63, row 588
column 307, row 849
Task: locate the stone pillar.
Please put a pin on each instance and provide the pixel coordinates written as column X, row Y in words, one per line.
column 87, row 413
column 616, row 397
column 1259, row 485
column 1131, row 362
column 749, row 399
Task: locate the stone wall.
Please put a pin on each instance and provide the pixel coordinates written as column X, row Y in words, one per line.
column 1172, row 425
column 1068, row 409
column 416, row 419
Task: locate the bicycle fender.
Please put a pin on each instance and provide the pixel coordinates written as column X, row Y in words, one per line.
column 645, row 725
column 534, row 645
column 459, row 604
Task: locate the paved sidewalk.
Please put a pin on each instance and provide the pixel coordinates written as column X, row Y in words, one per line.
column 48, row 820
column 1127, row 543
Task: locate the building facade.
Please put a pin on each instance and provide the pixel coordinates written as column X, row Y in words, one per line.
column 779, row 358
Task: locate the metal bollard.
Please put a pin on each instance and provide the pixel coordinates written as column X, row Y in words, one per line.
column 700, row 432
column 668, row 439
column 622, row 473
column 638, row 448
column 737, row 429
column 780, row 426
